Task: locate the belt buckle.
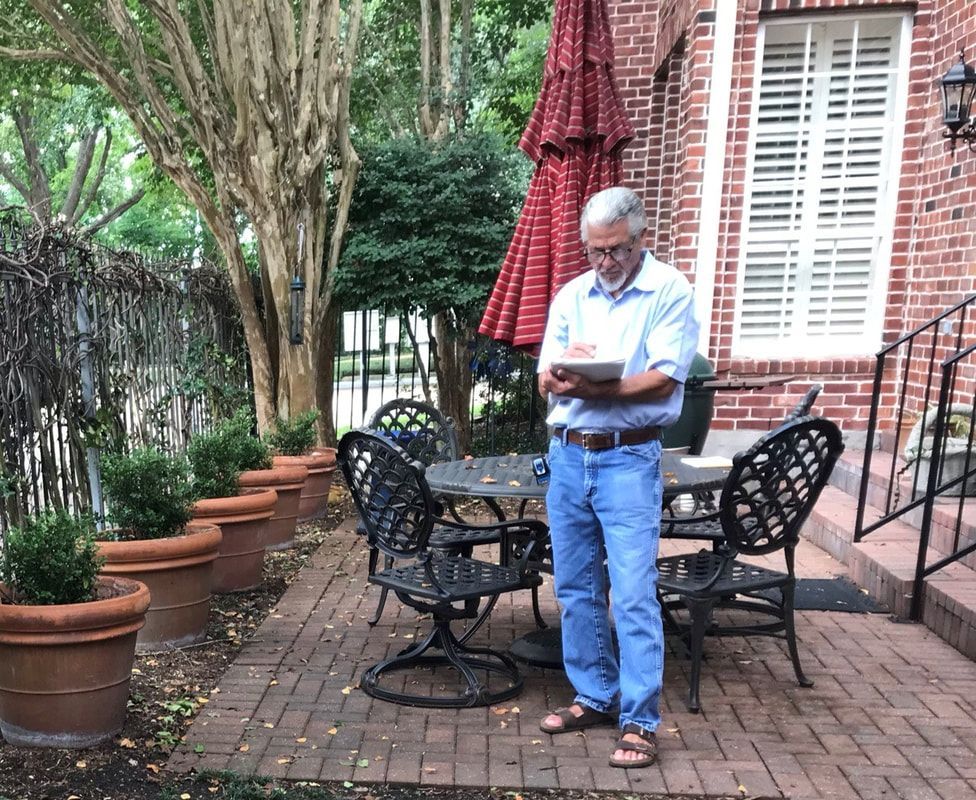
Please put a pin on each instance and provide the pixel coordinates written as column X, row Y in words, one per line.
column 594, row 441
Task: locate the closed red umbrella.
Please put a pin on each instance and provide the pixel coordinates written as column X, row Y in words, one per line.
column 575, row 135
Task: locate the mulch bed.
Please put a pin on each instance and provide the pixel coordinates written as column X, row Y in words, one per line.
column 167, row 692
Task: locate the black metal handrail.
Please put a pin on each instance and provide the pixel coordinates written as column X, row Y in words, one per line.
column 911, row 376
column 942, row 345
column 938, row 483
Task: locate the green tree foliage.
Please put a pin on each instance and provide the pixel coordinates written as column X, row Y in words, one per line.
column 508, row 45
column 510, row 86
column 429, row 227
column 51, row 560
column 66, row 153
column 148, row 492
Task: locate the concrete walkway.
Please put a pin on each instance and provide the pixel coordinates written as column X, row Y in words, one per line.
column 891, row 714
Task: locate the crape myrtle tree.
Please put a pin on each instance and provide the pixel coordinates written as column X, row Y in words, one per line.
column 427, row 224
column 244, row 105
column 60, row 153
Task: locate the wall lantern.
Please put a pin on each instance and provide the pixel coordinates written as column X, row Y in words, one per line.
column 958, row 90
column 296, row 318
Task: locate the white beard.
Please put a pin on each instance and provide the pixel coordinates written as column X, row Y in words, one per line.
column 612, row 286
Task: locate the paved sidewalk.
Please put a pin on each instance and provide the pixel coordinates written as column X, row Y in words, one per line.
column 891, row 714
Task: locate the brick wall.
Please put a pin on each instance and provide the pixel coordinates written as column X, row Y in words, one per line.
column 663, row 64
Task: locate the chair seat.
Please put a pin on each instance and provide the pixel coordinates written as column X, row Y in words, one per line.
column 460, row 578
column 691, row 575
column 446, row 537
column 709, row 529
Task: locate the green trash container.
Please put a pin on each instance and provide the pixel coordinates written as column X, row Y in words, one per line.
column 692, row 426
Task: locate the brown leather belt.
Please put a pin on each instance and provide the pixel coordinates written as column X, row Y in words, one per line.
column 604, row 441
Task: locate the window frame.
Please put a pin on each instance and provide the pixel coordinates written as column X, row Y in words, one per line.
column 814, row 345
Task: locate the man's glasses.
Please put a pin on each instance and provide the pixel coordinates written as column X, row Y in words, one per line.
column 595, row 255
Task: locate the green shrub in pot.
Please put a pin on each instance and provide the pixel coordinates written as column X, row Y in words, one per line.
column 149, row 493
column 51, row 560
column 295, row 436
column 218, row 458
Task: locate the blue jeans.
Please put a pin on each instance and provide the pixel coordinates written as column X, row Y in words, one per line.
column 608, row 503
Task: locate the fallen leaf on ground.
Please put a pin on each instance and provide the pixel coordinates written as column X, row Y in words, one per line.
column 153, row 767
column 81, row 764
column 487, row 479
column 244, row 748
column 301, row 740
column 127, row 743
column 332, row 731
column 514, row 483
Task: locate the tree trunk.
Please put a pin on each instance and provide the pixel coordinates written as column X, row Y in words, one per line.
column 454, row 380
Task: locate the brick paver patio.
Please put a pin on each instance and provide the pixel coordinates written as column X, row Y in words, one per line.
column 891, row 714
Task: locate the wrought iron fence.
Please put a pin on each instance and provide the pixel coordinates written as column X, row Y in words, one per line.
column 96, row 347
column 380, row 358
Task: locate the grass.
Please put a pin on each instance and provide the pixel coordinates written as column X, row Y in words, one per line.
column 348, row 366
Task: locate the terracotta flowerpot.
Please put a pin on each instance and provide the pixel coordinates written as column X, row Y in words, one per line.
column 178, row 572
column 288, row 483
column 243, row 521
column 65, row 669
column 321, row 465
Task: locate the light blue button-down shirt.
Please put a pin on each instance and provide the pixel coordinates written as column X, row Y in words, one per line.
column 652, row 325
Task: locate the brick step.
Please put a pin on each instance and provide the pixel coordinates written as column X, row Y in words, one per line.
column 883, row 563
column 847, row 477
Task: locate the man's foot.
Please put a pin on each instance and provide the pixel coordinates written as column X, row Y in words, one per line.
column 574, row 718
column 635, row 748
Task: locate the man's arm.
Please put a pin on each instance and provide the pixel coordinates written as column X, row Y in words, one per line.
column 644, row 386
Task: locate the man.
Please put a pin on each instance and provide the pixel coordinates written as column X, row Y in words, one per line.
column 605, row 491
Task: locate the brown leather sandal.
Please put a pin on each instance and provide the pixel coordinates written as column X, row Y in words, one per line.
column 570, row 722
column 647, row 747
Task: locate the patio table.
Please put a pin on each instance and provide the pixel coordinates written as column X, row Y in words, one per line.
column 511, row 476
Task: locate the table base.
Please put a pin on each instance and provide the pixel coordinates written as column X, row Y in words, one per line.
column 544, row 648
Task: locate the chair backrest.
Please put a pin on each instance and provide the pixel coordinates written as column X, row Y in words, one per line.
column 419, row 428
column 802, row 408
column 774, row 485
column 390, row 493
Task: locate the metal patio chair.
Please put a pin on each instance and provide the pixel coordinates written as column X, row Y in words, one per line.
column 430, row 438
column 767, row 497
column 398, row 511
column 702, row 523
column 419, row 428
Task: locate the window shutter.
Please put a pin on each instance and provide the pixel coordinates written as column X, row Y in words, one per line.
column 821, row 152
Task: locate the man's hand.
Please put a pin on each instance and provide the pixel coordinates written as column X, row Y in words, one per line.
column 580, row 350
column 572, row 384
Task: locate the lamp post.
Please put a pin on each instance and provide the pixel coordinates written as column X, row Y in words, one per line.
column 958, row 91
column 296, row 294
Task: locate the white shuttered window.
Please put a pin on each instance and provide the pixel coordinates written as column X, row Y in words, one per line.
column 825, row 153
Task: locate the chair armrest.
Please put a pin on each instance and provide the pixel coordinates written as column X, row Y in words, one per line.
column 526, row 545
